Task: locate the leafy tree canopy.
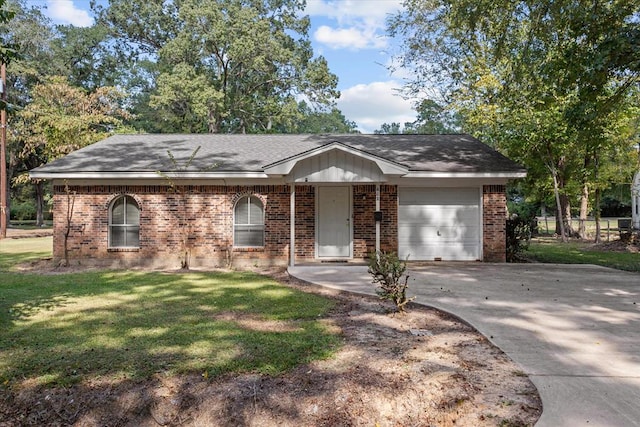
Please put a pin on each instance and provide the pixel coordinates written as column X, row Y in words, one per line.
column 62, row 118
column 432, row 118
column 553, row 84
column 7, row 50
column 316, row 121
column 222, row 66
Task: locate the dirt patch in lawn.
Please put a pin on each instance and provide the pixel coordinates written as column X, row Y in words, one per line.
column 424, row 368
column 618, row 245
column 18, row 233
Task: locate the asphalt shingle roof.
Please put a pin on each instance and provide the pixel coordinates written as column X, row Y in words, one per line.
column 250, row 153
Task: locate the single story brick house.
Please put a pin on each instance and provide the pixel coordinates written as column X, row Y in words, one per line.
column 280, row 199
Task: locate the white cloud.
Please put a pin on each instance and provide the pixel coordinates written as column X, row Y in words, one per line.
column 66, row 12
column 347, row 11
column 349, row 38
column 370, row 105
column 359, row 24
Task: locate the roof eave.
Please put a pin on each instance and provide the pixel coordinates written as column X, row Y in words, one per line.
column 145, row 175
column 434, row 174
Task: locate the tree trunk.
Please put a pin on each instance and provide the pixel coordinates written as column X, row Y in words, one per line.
column 39, row 185
column 584, row 198
column 556, row 191
column 71, row 199
column 596, row 212
column 565, row 208
column 11, row 167
column 596, row 202
column 584, row 211
column 213, row 122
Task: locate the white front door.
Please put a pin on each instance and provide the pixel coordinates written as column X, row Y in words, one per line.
column 334, row 222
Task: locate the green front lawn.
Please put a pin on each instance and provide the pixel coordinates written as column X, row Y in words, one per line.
column 58, row 329
column 553, row 251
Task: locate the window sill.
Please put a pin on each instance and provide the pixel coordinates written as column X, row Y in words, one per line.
column 249, row 249
column 123, row 249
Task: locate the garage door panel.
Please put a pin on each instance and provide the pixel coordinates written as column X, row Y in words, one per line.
column 438, row 196
column 439, row 223
column 417, row 234
column 438, row 215
column 458, row 251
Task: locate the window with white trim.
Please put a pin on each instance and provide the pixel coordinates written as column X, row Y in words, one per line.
column 248, row 222
column 124, row 223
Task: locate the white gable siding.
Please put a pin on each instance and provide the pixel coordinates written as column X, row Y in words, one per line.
column 336, row 166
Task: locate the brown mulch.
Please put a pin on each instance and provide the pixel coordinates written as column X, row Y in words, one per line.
column 423, row 368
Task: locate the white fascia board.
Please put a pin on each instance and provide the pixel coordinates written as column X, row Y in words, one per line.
column 284, row 167
column 506, row 175
column 146, row 175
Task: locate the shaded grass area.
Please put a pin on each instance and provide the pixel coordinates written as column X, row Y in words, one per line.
column 60, row 329
column 552, row 251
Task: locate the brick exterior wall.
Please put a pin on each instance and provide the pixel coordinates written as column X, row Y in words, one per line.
column 389, row 224
column 364, row 225
column 200, row 215
column 494, row 218
column 305, row 223
column 203, row 215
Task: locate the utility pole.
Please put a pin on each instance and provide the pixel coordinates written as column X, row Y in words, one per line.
column 3, row 153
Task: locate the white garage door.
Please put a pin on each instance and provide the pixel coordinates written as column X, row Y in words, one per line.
column 439, row 223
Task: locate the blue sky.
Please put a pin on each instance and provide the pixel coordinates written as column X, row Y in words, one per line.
column 350, row 34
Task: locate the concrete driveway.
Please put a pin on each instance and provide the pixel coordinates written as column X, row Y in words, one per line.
column 574, row 329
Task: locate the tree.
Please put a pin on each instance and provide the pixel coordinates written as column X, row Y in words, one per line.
column 29, row 34
column 68, row 221
column 546, row 82
column 8, row 51
column 390, row 129
column 223, row 66
column 82, row 55
column 316, row 121
column 62, row 118
column 185, row 221
column 432, row 119
column 85, row 56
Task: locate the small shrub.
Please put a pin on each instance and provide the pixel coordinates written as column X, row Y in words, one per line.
column 518, row 237
column 23, row 210
column 388, row 271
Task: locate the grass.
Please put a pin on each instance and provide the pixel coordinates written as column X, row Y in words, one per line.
column 15, row 251
column 553, row 251
column 60, row 329
column 608, row 227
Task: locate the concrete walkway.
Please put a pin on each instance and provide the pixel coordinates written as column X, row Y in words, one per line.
column 574, row 329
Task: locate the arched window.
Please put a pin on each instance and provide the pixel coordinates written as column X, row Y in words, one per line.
column 248, row 222
column 124, row 223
